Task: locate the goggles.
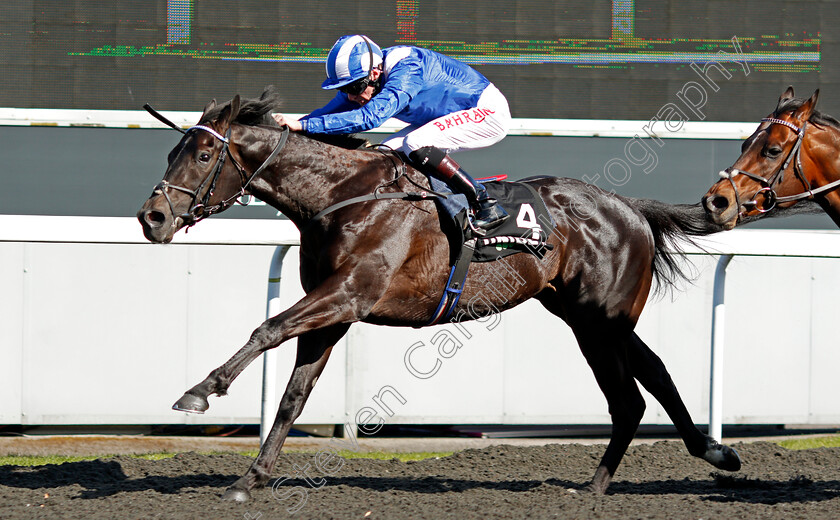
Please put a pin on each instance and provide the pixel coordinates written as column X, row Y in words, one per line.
column 357, row 87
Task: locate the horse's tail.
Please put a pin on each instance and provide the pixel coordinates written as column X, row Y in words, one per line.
column 673, row 226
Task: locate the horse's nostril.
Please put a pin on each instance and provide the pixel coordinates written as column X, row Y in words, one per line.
column 719, row 202
column 155, row 218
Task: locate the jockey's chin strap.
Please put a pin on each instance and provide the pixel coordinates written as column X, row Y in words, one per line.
column 767, row 191
column 199, row 210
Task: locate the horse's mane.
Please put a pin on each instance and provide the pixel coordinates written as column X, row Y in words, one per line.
column 257, row 111
column 817, row 117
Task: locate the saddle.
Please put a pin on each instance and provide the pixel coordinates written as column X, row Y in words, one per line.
column 526, row 231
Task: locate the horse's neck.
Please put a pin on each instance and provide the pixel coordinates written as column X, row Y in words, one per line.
column 834, row 156
column 307, row 176
column 824, row 151
column 825, row 154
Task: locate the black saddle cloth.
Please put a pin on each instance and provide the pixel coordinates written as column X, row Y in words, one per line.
column 526, row 230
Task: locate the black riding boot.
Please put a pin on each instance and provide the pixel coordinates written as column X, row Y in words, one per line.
column 434, row 161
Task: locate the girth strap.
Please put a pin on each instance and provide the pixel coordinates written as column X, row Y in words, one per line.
column 405, row 195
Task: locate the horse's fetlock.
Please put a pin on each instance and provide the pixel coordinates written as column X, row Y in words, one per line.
column 213, row 385
column 697, row 451
column 260, row 477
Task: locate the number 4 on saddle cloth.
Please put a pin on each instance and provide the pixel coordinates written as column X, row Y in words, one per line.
column 526, row 231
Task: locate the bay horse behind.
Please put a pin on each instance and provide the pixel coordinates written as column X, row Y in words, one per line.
column 789, row 165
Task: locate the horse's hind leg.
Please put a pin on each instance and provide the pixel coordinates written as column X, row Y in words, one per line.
column 313, row 351
column 649, row 370
column 607, row 356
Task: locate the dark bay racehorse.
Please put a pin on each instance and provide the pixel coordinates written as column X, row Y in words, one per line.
column 790, row 160
column 386, row 262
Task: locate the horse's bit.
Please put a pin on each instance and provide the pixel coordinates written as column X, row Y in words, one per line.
column 199, row 210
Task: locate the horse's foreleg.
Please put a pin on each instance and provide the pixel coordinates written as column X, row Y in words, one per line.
column 649, row 370
column 608, row 359
column 334, row 302
column 313, row 351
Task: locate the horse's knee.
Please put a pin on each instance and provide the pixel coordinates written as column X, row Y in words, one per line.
column 263, row 336
column 637, row 410
column 290, row 406
column 286, row 414
column 629, row 411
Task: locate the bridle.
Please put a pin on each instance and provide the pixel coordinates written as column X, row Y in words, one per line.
column 767, row 191
column 199, row 210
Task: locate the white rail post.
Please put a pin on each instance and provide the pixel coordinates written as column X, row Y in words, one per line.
column 716, row 369
column 269, row 383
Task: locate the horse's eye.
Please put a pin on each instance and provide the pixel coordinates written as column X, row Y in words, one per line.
column 204, row 157
column 773, row 152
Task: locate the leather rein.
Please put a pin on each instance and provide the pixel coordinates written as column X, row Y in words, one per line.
column 199, row 210
column 771, row 199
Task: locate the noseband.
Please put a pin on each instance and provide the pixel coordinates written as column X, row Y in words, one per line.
column 767, row 185
column 199, row 210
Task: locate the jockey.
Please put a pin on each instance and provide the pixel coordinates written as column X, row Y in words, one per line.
column 447, row 104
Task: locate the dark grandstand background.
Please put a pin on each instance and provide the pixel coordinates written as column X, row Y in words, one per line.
column 37, row 39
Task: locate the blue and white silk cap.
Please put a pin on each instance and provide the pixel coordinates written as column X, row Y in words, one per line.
column 350, row 60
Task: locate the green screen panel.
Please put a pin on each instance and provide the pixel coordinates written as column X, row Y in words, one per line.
column 594, row 59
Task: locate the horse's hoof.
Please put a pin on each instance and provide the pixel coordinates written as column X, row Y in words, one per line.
column 589, row 489
column 236, row 495
column 723, row 457
column 191, row 404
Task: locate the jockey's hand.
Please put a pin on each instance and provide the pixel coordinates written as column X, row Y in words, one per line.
column 291, row 122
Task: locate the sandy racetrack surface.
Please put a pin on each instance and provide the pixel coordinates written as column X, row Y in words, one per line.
column 655, row 481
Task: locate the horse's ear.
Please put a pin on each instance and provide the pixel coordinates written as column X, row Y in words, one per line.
column 235, row 103
column 210, row 106
column 815, row 97
column 229, row 112
column 804, row 112
column 786, row 96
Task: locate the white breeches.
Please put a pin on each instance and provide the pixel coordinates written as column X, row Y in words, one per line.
column 483, row 125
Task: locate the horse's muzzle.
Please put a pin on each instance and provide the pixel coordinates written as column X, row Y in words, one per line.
column 721, row 209
column 157, row 226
